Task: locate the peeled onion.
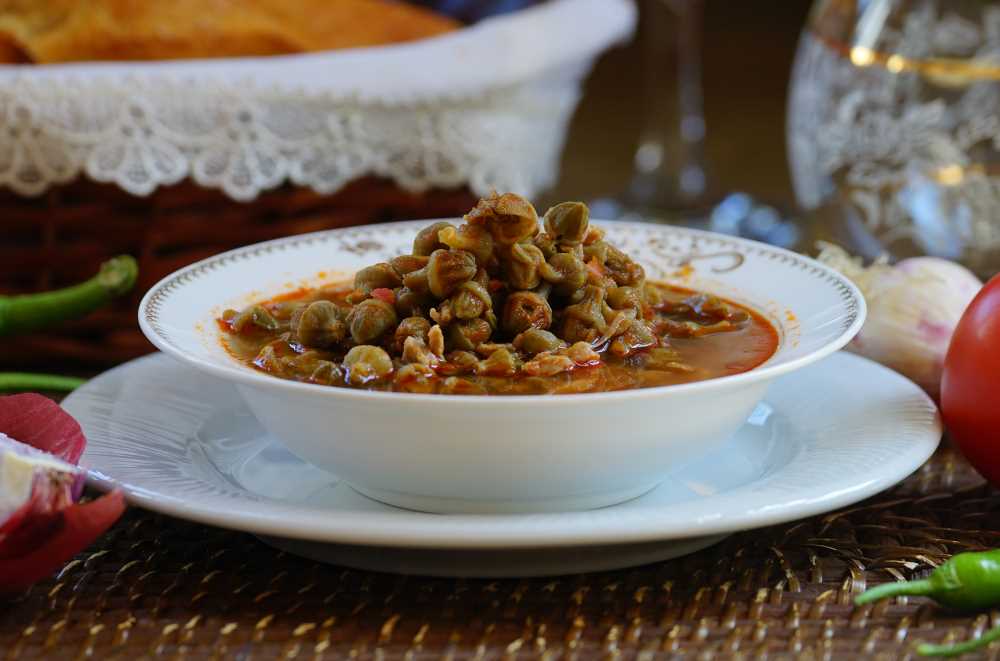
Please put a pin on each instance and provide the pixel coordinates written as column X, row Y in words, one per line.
column 913, row 308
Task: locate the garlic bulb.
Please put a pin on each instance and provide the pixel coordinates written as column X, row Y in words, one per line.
column 913, row 308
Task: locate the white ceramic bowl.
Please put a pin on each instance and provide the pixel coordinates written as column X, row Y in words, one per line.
column 447, row 453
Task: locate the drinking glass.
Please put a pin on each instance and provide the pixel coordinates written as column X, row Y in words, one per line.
column 894, row 128
column 669, row 180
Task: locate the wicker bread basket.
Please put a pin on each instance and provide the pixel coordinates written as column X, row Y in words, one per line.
column 62, row 237
column 175, row 161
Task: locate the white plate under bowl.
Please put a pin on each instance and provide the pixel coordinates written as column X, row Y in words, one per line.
column 527, row 453
column 183, row 443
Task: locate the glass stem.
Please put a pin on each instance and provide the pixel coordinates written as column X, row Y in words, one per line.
column 669, row 160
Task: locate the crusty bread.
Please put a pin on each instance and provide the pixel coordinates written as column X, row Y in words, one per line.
column 48, row 31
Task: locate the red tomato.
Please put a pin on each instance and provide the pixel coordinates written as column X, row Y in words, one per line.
column 970, row 384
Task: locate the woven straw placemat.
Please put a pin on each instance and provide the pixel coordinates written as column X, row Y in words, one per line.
column 156, row 587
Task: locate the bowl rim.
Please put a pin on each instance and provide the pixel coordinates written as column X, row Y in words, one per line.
column 234, row 372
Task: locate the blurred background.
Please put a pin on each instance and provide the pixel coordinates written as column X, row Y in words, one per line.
column 747, row 52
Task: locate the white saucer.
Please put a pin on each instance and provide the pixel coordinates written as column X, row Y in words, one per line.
column 182, row 443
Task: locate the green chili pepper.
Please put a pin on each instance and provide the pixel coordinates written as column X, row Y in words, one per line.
column 959, row 649
column 20, row 314
column 968, row 581
column 43, row 382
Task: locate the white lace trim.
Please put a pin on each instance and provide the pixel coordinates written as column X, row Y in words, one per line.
column 440, row 113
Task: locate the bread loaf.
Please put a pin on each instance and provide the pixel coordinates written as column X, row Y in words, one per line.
column 53, row 31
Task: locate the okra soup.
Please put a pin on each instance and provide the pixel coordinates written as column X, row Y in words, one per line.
column 501, row 304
